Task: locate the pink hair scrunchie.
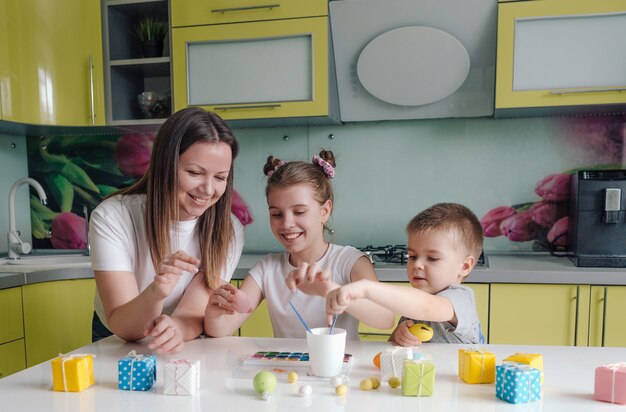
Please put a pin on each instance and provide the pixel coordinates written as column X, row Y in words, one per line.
column 279, row 164
column 328, row 169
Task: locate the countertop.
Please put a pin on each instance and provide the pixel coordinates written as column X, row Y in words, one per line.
column 502, row 268
column 568, row 386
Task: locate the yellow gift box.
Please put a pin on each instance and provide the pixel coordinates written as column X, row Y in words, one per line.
column 72, row 373
column 533, row 360
column 477, row 366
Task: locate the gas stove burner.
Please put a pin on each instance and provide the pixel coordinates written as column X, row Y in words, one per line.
column 386, row 254
column 396, row 254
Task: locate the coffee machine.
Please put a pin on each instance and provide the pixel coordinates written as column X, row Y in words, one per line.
column 597, row 232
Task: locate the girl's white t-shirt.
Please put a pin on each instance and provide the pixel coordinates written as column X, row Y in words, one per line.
column 269, row 274
column 117, row 235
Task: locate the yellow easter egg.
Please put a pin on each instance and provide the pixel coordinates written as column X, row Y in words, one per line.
column 341, row 390
column 375, row 382
column 292, row 377
column 394, row 382
column 423, row 332
column 366, row 385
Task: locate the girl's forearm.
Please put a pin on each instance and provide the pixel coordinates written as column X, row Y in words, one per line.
column 129, row 321
column 223, row 325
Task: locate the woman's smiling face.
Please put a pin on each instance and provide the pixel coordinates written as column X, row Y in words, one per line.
column 202, row 177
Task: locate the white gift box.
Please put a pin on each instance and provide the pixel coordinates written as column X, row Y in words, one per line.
column 181, row 377
column 392, row 360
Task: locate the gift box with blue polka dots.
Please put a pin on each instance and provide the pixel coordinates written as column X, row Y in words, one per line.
column 136, row 372
column 518, row 383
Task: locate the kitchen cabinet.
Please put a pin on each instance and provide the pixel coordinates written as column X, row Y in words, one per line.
column 561, row 56
column 11, row 323
column 527, row 314
column 481, row 294
column 57, row 317
column 12, row 358
column 127, row 72
column 606, row 326
column 257, row 73
column 195, row 13
column 49, row 74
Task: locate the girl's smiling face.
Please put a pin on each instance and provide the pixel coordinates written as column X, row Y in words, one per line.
column 297, row 219
column 202, row 177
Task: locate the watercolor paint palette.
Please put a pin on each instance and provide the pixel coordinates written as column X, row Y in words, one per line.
column 287, row 358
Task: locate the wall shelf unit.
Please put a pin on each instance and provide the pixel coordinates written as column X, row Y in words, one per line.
column 127, row 72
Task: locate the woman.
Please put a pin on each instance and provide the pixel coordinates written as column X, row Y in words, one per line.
column 162, row 245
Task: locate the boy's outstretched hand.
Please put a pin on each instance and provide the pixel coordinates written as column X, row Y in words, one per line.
column 338, row 300
column 403, row 337
column 311, row 279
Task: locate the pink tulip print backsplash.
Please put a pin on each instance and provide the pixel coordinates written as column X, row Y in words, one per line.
column 592, row 142
column 77, row 173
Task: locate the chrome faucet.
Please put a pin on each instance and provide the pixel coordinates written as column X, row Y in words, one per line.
column 15, row 245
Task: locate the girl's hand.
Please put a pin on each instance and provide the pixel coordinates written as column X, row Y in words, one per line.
column 170, row 270
column 167, row 335
column 222, row 301
column 311, row 279
column 403, row 337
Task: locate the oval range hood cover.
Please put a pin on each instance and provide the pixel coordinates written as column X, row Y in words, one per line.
column 413, row 65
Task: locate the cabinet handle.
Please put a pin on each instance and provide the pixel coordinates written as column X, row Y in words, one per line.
column 91, row 94
column 604, row 314
column 580, row 91
column 251, row 106
column 264, row 6
column 576, row 318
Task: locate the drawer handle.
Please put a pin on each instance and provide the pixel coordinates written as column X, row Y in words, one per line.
column 253, row 106
column 264, row 6
column 582, row 91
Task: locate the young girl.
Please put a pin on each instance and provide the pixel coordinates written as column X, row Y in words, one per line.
column 300, row 200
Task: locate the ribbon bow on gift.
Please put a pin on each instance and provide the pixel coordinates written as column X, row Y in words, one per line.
column 135, row 357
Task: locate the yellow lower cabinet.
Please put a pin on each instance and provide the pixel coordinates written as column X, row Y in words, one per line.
column 57, row 317
column 606, row 326
column 12, row 358
column 258, row 325
column 531, row 314
column 11, row 319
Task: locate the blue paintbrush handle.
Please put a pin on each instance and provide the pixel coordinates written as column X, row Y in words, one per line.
column 300, row 317
column 332, row 326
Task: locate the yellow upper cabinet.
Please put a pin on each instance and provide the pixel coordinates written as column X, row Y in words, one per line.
column 252, row 71
column 559, row 56
column 200, row 12
column 52, row 62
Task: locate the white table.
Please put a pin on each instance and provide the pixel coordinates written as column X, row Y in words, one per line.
column 569, row 379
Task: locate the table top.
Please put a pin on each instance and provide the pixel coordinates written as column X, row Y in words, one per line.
column 569, row 381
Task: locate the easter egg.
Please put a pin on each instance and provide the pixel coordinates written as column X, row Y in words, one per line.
column 305, row 391
column 264, row 381
column 423, row 332
column 375, row 383
column 376, row 360
column 292, row 377
column 241, row 301
column 341, row 390
column 394, row 382
column 366, row 385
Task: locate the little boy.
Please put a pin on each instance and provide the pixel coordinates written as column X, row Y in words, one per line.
column 444, row 242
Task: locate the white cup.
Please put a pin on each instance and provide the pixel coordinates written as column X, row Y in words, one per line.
column 326, row 351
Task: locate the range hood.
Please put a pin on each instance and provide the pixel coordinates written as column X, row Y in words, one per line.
column 414, row 59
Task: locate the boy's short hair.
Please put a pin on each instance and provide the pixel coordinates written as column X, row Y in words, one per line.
column 453, row 217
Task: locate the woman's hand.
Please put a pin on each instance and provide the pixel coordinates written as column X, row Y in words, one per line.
column 221, row 301
column 170, row 270
column 403, row 337
column 311, row 279
column 166, row 334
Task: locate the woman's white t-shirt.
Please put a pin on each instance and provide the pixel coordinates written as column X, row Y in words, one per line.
column 117, row 235
column 269, row 274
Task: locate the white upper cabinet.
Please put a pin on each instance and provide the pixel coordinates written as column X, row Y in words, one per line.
column 561, row 56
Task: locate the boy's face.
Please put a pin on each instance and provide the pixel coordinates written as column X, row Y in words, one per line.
column 436, row 261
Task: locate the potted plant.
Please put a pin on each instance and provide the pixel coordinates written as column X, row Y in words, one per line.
column 151, row 32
